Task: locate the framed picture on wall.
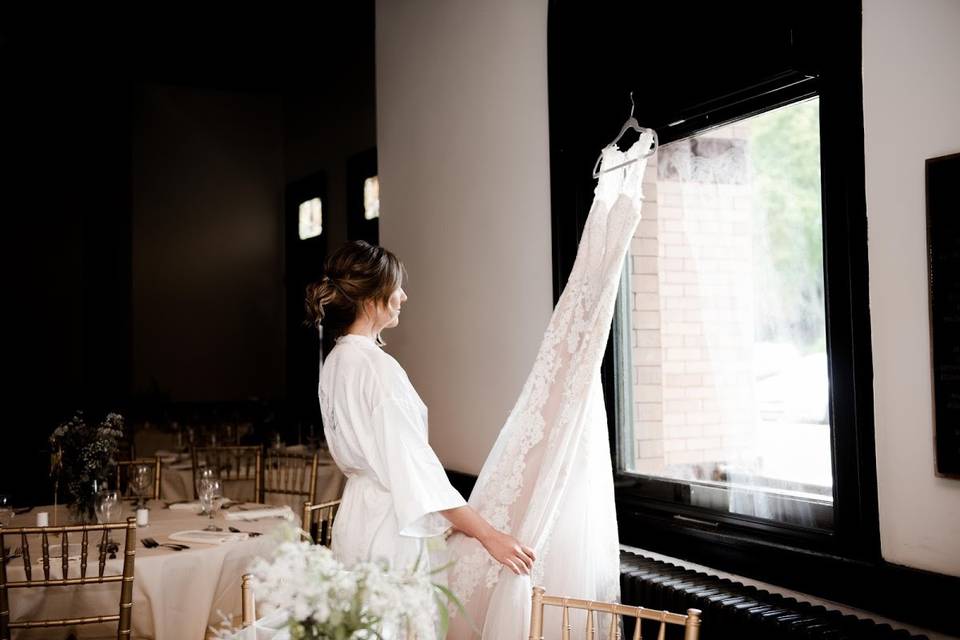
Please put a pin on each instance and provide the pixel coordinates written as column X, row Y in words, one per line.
column 363, row 197
column 943, row 253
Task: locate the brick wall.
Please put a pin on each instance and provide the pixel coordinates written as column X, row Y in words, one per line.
column 692, row 292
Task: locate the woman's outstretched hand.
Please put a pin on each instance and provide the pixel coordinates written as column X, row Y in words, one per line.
column 508, row 551
column 503, row 547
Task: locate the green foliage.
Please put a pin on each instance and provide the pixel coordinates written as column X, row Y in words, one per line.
column 785, row 159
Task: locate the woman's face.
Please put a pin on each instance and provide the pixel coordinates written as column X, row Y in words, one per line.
column 388, row 315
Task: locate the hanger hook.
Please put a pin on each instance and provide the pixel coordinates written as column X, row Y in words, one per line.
column 631, row 104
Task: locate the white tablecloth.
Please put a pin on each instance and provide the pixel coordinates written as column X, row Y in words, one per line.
column 176, row 594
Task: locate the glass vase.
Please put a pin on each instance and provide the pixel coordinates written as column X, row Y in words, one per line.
column 82, row 509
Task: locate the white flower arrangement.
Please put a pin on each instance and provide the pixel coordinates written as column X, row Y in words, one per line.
column 322, row 599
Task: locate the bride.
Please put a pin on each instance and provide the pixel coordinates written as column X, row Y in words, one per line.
column 397, row 493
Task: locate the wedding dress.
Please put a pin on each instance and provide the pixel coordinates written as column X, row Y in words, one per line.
column 548, row 480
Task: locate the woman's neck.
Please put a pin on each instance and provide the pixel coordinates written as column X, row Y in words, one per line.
column 362, row 327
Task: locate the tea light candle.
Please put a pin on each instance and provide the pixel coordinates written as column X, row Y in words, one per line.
column 43, row 519
column 143, row 517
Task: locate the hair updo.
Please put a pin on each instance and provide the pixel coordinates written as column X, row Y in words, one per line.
column 355, row 273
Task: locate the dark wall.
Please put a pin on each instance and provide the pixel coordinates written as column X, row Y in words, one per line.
column 207, row 244
column 143, row 173
column 66, row 206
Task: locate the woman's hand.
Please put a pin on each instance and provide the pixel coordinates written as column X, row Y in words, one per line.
column 506, row 550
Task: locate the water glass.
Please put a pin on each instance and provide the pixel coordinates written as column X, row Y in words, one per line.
column 210, row 492
column 107, row 507
column 141, row 476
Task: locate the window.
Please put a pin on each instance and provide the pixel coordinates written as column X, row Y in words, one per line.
column 311, row 218
column 789, row 524
column 725, row 342
column 371, row 198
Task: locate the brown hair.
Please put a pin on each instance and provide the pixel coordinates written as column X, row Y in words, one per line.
column 355, row 273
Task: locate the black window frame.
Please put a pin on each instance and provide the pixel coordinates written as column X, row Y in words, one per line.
column 812, row 48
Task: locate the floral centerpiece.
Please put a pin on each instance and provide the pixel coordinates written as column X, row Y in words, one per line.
column 304, row 587
column 83, row 459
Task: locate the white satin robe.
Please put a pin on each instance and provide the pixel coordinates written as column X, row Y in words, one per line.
column 376, row 427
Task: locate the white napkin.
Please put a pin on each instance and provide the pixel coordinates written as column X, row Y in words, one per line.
column 193, row 506
column 206, row 537
column 182, row 466
column 73, row 551
column 167, row 456
column 258, row 512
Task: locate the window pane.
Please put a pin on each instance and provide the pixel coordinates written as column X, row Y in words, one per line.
column 311, row 218
column 729, row 380
column 371, row 198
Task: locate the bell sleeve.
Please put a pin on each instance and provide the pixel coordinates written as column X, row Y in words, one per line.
column 411, row 470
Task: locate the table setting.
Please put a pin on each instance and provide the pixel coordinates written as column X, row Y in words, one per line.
column 177, row 479
column 189, row 561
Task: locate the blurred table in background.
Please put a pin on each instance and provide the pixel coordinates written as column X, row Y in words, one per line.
column 177, row 482
column 176, row 594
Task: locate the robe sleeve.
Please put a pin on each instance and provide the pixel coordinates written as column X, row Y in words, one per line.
column 415, row 478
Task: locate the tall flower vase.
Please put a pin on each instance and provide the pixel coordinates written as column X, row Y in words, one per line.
column 83, row 507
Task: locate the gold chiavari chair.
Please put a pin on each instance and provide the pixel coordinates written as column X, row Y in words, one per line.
column 289, row 473
column 247, row 605
column 123, row 474
column 88, row 534
column 318, row 521
column 231, row 463
column 690, row 622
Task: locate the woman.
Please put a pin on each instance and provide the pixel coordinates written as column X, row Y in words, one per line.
column 397, row 493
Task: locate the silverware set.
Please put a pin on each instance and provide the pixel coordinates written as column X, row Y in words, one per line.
column 252, row 534
column 213, row 527
column 151, row 543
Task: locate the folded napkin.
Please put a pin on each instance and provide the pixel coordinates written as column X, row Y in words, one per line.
column 73, row 551
column 206, row 537
column 192, row 506
column 259, row 511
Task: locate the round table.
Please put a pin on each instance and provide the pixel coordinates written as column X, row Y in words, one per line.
column 177, row 595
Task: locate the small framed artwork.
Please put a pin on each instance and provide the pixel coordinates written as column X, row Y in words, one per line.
column 943, row 255
column 363, row 197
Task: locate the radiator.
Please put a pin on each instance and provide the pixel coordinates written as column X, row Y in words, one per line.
column 734, row 610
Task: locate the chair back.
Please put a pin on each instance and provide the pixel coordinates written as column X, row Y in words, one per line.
column 292, row 474
column 123, row 474
column 690, row 622
column 318, row 521
column 231, row 463
column 50, row 538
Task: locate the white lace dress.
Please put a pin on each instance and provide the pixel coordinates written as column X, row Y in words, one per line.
column 548, row 480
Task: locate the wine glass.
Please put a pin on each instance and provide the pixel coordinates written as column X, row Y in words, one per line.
column 107, row 507
column 140, row 477
column 210, row 492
